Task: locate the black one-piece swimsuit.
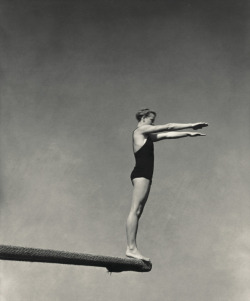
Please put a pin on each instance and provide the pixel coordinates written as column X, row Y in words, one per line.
column 144, row 161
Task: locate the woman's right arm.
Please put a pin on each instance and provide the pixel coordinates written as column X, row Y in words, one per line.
column 147, row 129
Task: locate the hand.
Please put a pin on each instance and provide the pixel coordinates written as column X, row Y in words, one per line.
column 199, row 125
column 195, row 134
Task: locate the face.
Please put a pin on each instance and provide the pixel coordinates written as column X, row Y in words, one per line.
column 149, row 119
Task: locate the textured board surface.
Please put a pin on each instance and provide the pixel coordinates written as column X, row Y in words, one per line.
column 113, row 264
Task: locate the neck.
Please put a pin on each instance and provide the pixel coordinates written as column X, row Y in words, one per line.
column 140, row 124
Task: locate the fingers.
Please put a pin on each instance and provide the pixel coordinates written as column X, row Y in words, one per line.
column 200, row 125
column 200, row 134
column 197, row 134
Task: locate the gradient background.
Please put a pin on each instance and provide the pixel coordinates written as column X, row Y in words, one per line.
column 73, row 75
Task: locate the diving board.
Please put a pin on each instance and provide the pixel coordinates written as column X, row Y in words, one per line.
column 113, row 264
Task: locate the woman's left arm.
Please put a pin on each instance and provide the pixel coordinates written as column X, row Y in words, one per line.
column 173, row 135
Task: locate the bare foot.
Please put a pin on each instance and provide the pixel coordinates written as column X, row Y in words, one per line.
column 136, row 254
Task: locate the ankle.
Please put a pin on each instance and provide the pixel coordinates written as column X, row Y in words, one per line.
column 131, row 248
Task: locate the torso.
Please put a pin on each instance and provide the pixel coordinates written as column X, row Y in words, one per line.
column 144, row 156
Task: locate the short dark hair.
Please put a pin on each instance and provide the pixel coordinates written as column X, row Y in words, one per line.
column 144, row 113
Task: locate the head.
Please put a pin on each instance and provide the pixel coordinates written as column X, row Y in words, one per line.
column 146, row 116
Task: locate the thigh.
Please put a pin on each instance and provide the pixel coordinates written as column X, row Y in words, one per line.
column 141, row 191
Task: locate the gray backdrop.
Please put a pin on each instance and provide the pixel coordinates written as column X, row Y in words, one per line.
column 73, row 75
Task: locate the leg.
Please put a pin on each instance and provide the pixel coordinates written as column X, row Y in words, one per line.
column 140, row 195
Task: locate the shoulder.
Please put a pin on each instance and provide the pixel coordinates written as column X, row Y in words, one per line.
column 140, row 131
column 145, row 128
column 139, row 136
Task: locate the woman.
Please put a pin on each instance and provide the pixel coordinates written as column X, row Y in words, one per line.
column 144, row 136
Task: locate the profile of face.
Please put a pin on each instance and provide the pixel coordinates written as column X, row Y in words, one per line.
column 150, row 119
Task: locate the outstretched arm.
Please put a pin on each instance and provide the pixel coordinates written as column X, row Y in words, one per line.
column 173, row 135
column 147, row 129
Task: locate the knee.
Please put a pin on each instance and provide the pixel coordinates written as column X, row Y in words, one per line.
column 137, row 211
